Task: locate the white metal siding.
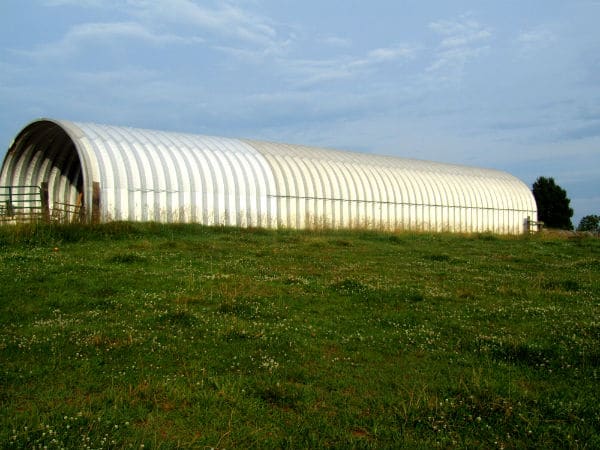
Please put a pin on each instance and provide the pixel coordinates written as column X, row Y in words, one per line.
column 147, row 175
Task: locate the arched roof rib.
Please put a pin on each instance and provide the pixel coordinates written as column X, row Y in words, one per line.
column 155, row 175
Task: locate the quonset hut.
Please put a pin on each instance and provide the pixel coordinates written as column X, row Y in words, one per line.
column 103, row 173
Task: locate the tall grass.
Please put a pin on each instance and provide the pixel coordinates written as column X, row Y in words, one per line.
column 126, row 335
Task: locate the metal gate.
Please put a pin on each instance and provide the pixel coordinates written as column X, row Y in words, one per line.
column 30, row 203
column 67, row 212
column 21, row 203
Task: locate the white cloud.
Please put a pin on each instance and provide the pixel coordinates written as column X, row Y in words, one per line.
column 113, row 78
column 80, row 3
column 308, row 72
column 82, row 35
column 224, row 20
column 254, row 55
column 389, row 54
column 221, row 24
column 335, row 41
column 453, row 61
column 461, row 41
column 536, row 39
column 460, row 32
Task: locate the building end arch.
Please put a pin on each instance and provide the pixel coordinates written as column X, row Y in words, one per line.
column 44, row 154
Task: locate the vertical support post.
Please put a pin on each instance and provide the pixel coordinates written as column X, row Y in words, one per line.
column 45, row 202
column 95, row 202
column 10, row 210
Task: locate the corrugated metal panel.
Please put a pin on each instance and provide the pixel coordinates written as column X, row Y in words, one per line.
column 147, row 175
column 384, row 192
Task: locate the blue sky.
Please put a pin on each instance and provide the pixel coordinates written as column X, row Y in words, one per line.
column 510, row 85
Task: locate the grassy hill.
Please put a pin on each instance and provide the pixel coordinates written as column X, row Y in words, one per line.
column 171, row 336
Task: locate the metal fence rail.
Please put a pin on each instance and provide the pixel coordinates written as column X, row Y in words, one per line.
column 67, row 213
column 21, row 203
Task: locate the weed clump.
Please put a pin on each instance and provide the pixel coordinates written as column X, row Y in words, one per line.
column 126, row 258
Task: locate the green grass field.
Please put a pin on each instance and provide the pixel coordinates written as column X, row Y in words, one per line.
column 165, row 336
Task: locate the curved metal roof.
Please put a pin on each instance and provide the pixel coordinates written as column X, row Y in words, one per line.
column 146, row 175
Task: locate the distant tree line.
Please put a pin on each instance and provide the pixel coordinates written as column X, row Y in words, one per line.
column 590, row 223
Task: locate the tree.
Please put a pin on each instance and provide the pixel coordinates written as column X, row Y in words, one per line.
column 590, row 223
column 553, row 204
